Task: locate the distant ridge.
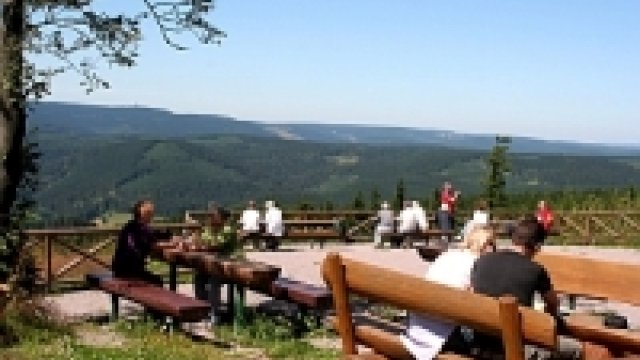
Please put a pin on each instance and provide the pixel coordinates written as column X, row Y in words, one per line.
column 79, row 119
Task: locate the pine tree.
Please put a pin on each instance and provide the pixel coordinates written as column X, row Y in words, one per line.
column 498, row 167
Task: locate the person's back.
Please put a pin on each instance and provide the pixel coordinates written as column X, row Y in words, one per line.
column 273, row 219
column 420, row 217
column 407, row 219
column 385, row 218
column 250, row 219
column 425, row 336
column 510, row 273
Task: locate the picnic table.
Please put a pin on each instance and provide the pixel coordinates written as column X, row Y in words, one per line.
column 240, row 275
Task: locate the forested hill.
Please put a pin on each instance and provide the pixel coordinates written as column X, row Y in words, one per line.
column 106, row 121
column 84, row 176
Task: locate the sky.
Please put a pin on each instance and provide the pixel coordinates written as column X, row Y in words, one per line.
column 562, row 70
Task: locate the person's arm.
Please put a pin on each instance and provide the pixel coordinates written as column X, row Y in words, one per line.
column 551, row 302
column 549, row 295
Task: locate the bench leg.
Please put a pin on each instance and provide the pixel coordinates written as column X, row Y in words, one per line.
column 115, row 305
column 214, row 299
column 239, row 317
column 299, row 324
column 173, row 277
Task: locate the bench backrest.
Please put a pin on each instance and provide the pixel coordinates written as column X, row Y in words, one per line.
column 596, row 278
column 500, row 317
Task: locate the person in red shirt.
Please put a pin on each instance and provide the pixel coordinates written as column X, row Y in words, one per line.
column 448, row 198
column 544, row 216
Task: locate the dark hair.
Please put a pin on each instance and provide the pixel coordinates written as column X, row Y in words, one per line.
column 528, row 232
column 137, row 208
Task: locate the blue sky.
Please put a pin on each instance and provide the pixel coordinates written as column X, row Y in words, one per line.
column 549, row 69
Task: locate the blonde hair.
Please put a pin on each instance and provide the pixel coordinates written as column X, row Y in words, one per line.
column 479, row 237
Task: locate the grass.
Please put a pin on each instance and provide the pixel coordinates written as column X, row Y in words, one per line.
column 262, row 338
column 274, row 336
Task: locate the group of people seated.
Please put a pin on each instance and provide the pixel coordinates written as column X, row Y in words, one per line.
column 411, row 219
column 478, row 266
column 268, row 223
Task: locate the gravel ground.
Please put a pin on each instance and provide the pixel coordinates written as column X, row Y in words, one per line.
column 303, row 263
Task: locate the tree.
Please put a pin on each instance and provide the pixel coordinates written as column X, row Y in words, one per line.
column 70, row 32
column 375, row 199
column 497, row 169
column 358, row 202
column 399, row 199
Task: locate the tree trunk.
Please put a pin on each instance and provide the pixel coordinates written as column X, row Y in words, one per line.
column 12, row 106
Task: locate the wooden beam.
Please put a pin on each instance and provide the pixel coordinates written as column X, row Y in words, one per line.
column 335, row 272
column 596, row 278
column 84, row 255
column 474, row 310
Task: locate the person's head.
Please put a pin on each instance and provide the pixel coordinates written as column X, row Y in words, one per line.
column 542, row 204
column 251, row 204
column 447, row 185
column 384, row 205
column 480, row 239
column 407, row 204
column 143, row 211
column 481, row 205
column 269, row 204
column 528, row 234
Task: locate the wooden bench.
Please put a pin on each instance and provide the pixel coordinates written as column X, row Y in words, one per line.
column 500, row 317
column 396, row 239
column 157, row 299
column 270, row 242
column 591, row 278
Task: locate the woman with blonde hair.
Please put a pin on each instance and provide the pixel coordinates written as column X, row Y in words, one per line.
column 426, row 336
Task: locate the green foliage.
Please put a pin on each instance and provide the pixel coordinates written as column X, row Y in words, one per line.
column 358, row 202
column 497, row 168
column 375, row 199
column 88, row 177
column 28, row 320
column 275, row 336
column 399, row 197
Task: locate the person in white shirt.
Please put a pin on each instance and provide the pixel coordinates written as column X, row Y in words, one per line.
column 426, row 336
column 420, row 217
column 407, row 219
column 384, row 225
column 480, row 218
column 250, row 220
column 273, row 219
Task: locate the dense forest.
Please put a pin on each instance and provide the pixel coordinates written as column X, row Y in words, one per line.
column 84, row 176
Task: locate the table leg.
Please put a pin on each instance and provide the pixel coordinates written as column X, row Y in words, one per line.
column 214, row 299
column 239, row 315
column 173, row 277
column 115, row 305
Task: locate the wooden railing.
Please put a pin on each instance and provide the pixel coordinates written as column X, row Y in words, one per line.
column 60, row 251
column 580, row 227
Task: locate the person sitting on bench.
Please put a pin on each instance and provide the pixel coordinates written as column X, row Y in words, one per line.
column 425, row 336
column 513, row 272
column 134, row 244
column 384, row 224
column 250, row 220
column 274, row 227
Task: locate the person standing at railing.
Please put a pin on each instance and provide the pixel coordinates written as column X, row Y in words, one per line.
column 545, row 216
column 134, row 245
column 446, row 212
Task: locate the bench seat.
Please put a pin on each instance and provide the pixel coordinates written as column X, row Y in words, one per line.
column 180, row 307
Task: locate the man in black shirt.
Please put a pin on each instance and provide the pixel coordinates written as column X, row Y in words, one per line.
column 134, row 244
column 514, row 272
